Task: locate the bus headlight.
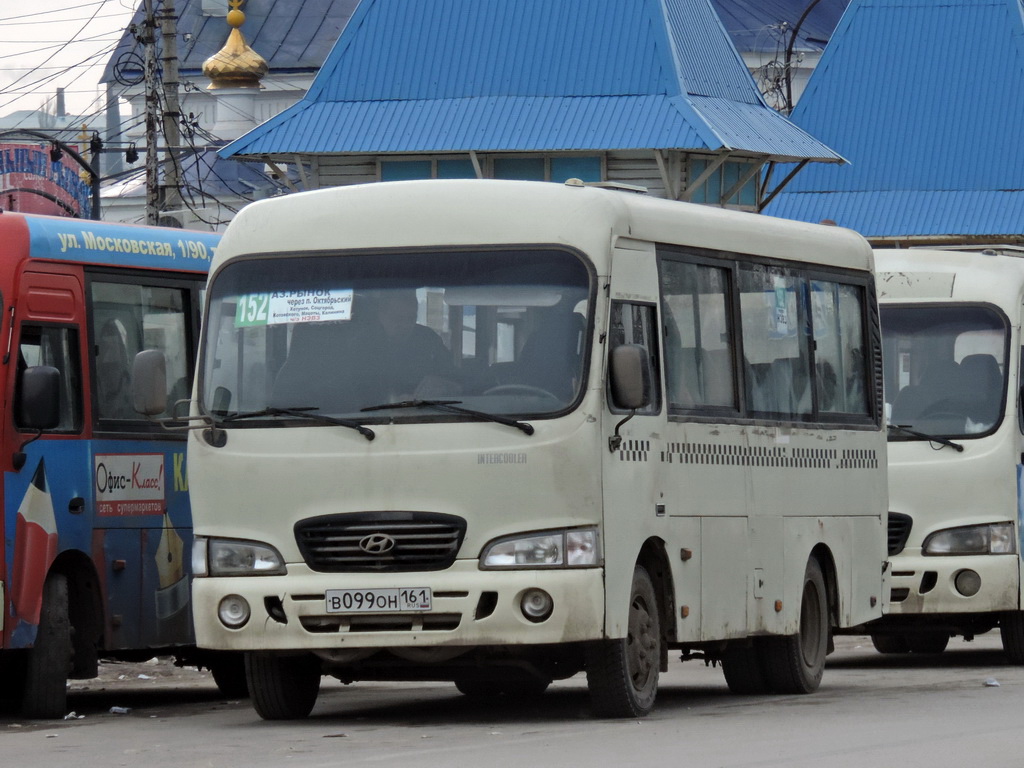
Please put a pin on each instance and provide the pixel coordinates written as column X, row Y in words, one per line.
column 996, row 539
column 571, row 548
column 235, row 557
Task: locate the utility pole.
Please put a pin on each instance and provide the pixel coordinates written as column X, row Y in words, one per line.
column 171, row 188
column 147, row 37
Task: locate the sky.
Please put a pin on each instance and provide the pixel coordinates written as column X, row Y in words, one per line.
column 47, row 44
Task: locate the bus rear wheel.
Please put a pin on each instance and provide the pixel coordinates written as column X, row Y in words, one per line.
column 796, row 663
column 890, row 643
column 743, row 667
column 622, row 674
column 282, row 687
column 928, row 642
column 49, row 660
column 1011, row 630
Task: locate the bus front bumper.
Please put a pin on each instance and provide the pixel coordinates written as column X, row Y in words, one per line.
column 469, row 607
column 963, row 584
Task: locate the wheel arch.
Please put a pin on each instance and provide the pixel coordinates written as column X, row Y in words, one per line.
column 654, row 559
column 823, row 554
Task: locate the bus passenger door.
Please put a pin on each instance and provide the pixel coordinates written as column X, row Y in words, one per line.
column 633, row 503
column 143, row 519
column 46, row 474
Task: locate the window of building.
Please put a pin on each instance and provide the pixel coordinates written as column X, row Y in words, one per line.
column 435, row 168
column 724, row 178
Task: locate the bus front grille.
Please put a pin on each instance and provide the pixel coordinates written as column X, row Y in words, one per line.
column 899, row 530
column 380, row 541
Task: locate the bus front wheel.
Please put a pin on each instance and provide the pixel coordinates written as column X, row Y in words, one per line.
column 622, row 674
column 49, row 660
column 796, row 663
column 282, row 687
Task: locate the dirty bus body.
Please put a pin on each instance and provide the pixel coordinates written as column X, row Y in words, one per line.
column 605, row 440
column 951, row 329
column 97, row 525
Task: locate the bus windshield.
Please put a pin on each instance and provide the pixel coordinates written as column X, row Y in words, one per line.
column 348, row 335
column 945, row 369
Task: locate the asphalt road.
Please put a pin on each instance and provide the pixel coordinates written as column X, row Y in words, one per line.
column 963, row 707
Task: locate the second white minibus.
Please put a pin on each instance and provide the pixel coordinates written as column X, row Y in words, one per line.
column 951, row 322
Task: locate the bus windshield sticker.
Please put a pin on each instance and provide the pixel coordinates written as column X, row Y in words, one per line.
column 289, row 307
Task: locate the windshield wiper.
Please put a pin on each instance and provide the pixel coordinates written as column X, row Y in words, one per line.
column 924, row 436
column 305, row 412
column 451, row 406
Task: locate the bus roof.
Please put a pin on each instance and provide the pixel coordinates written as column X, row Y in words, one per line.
column 994, row 275
column 481, row 212
column 131, row 245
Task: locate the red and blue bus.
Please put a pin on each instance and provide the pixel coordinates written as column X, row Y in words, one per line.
column 97, row 523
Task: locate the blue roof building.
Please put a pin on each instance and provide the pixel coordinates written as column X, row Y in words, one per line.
column 931, row 127
column 648, row 92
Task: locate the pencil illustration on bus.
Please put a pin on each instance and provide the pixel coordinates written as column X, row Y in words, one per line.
column 503, row 433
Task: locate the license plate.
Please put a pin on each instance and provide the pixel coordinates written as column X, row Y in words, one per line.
column 378, row 600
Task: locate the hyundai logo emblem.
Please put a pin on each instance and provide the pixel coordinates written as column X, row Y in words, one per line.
column 377, row 544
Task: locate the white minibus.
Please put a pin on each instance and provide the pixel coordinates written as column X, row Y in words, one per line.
column 500, row 433
column 951, row 331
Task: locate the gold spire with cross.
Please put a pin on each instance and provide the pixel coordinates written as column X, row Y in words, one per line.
column 236, row 65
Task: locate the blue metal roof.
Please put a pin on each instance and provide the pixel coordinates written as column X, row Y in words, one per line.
column 932, row 128
column 755, row 25
column 521, row 75
column 292, row 35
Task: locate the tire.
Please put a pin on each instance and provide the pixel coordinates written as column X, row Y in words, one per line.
column 929, row 642
column 49, row 660
column 795, row 664
column 12, row 681
column 525, row 688
column 228, row 672
column 1011, row 630
column 282, row 687
column 743, row 667
column 890, row 643
column 622, row 674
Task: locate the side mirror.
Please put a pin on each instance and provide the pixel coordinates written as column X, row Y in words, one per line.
column 149, row 382
column 630, row 377
column 39, row 406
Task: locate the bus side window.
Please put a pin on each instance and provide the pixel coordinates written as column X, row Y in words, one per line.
column 773, row 311
column 635, row 324
column 56, row 347
column 837, row 312
column 126, row 319
column 698, row 336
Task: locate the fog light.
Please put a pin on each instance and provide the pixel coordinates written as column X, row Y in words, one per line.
column 967, row 582
column 233, row 611
column 536, row 605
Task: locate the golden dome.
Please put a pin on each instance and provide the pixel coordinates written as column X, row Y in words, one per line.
column 236, row 65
